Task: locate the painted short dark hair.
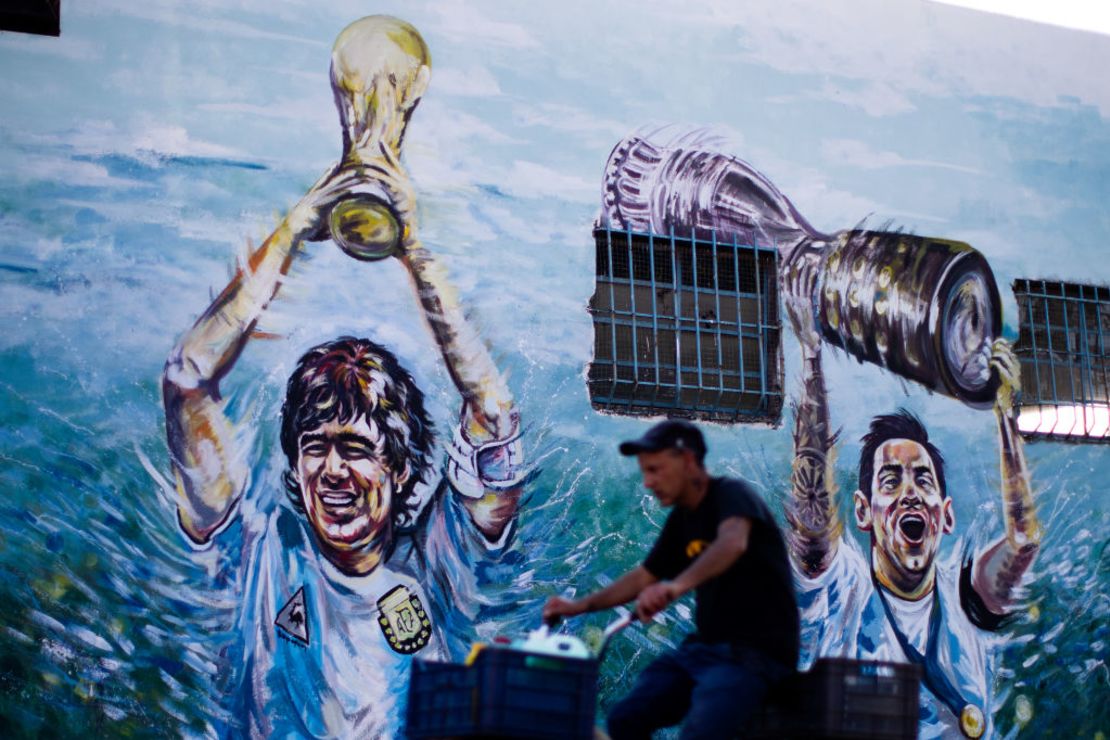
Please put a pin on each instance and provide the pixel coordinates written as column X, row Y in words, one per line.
column 347, row 378
column 899, row 425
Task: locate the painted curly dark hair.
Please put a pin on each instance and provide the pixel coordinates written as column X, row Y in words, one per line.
column 347, row 378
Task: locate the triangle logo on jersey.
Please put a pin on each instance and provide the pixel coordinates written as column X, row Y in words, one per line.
column 292, row 620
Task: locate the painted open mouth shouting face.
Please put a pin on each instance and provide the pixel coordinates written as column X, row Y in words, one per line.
column 906, row 513
column 912, row 527
column 346, row 486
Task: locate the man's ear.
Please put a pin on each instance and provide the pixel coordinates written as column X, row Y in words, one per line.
column 692, row 464
column 862, row 506
column 948, row 515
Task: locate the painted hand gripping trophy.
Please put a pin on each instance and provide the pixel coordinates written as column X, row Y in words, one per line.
column 379, row 71
column 926, row 309
column 380, row 68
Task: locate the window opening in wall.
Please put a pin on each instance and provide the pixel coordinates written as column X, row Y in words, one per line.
column 1063, row 349
column 686, row 327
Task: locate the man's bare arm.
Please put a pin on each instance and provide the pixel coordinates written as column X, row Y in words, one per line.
column 621, row 591
column 1002, row 564
column 815, row 525
column 205, row 449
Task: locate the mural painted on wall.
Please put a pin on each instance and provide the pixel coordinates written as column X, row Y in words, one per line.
column 376, row 443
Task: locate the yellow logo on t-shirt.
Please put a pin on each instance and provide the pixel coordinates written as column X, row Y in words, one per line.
column 694, row 548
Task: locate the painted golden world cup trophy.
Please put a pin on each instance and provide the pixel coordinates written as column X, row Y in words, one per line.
column 380, row 67
column 927, row 309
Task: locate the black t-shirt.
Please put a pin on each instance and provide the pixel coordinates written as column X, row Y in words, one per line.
column 750, row 604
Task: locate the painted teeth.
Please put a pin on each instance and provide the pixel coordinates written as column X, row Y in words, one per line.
column 350, row 530
column 337, row 499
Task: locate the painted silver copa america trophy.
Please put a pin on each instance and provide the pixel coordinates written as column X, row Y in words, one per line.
column 926, row 309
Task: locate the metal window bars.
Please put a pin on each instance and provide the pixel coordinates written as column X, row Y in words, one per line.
column 1064, row 349
column 686, row 327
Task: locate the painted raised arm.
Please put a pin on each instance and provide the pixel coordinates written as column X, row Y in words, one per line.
column 205, row 446
column 1001, row 565
column 489, row 421
column 811, row 509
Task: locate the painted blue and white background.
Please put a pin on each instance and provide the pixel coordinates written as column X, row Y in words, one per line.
column 149, row 146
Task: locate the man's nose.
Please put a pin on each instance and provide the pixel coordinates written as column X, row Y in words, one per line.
column 334, row 464
column 911, row 495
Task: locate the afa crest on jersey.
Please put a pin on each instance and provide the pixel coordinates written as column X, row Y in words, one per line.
column 405, row 624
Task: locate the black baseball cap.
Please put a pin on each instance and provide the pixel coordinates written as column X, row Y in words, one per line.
column 670, row 434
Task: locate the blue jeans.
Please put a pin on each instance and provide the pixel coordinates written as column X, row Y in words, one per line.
column 717, row 687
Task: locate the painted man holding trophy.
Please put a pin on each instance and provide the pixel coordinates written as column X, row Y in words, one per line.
column 346, row 581
column 925, row 309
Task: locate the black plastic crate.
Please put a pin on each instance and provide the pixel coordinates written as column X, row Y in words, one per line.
column 504, row 694
column 844, row 698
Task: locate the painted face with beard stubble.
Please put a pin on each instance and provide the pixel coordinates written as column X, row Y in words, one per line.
column 347, row 490
column 906, row 514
